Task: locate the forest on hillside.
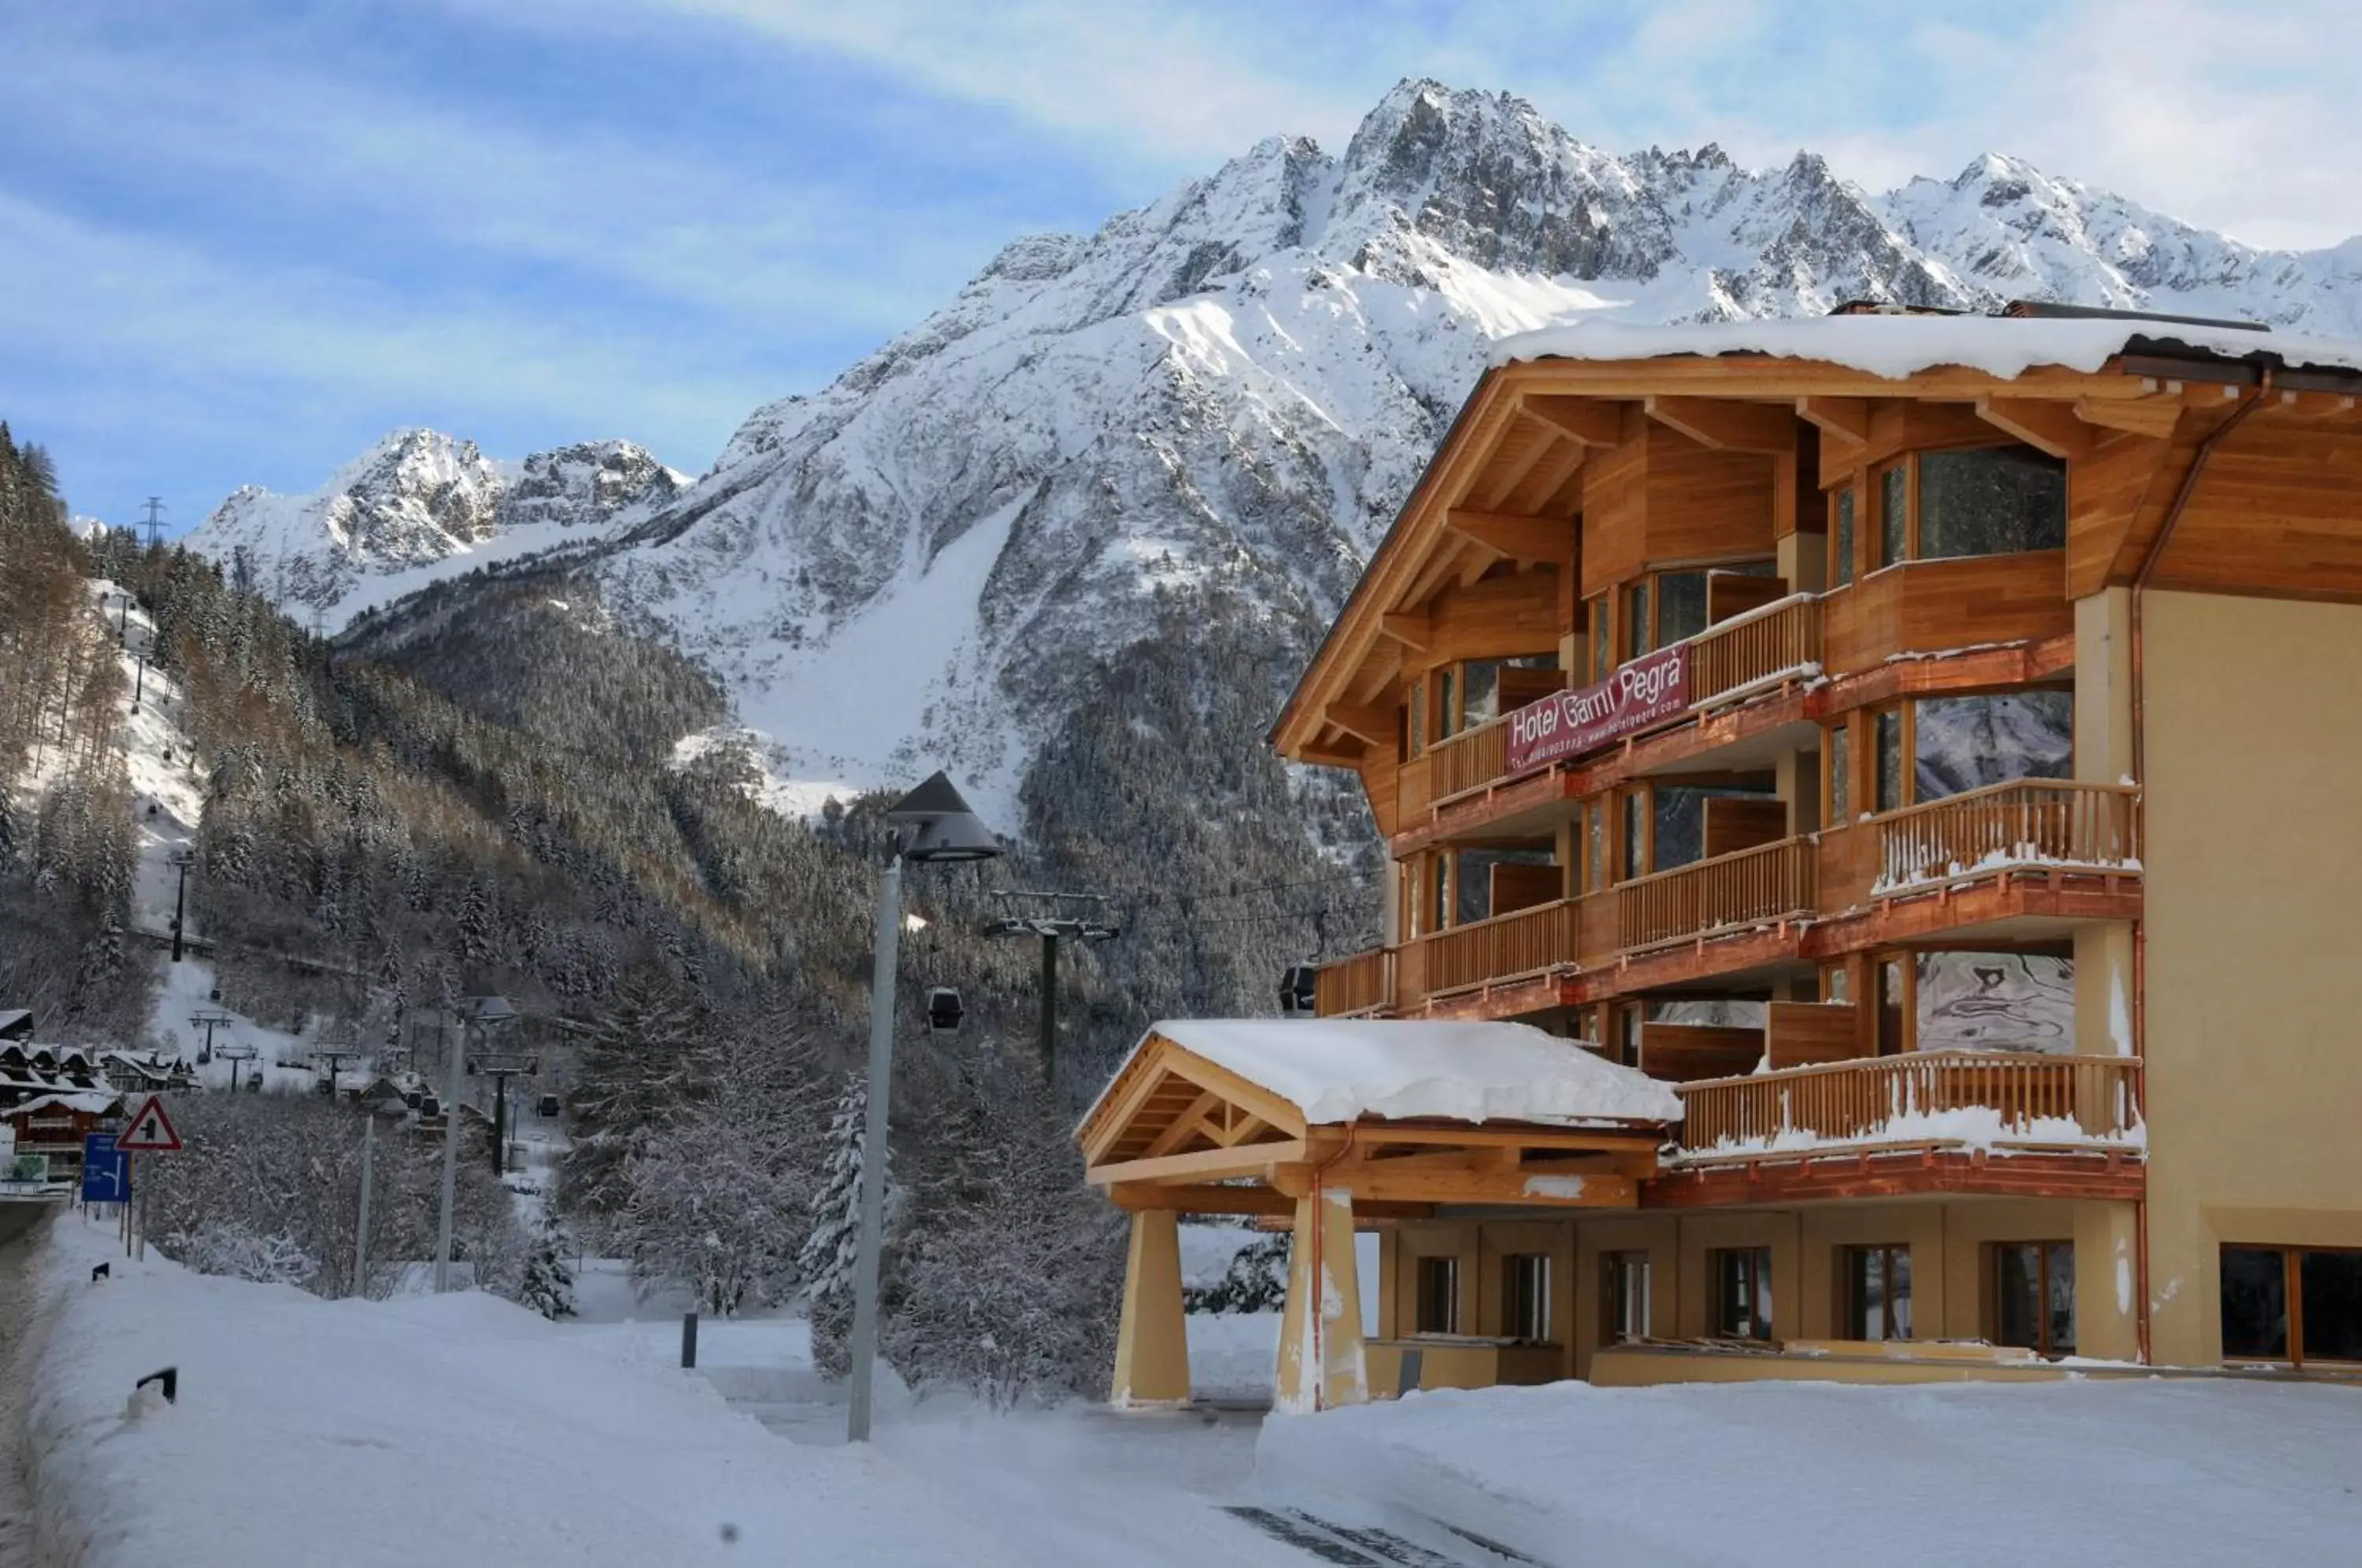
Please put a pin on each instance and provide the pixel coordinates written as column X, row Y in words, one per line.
column 488, row 803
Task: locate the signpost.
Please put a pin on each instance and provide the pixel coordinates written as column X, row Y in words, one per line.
column 148, row 1131
column 1652, row 688
column 105, row 1170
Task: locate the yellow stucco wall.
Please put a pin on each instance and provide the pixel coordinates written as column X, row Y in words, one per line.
column 2254, row 915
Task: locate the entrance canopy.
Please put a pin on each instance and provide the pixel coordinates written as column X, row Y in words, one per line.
column 1244, row 1115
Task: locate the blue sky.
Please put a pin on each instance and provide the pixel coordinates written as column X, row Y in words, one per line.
column 239, row 241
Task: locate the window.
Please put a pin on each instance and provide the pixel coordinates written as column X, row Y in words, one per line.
column 1994, row 1001
column 1990, row 500
column 1893, row 514
column 1966, row 743
column 1677, row 833
column 2293, row 1304
column 1636, row 620
column 1447, row 702
column 1627, row 1035
column 1840, row 789
column 1595, row 815
column 1472, row 878
column 1526, row 1297
column 1438, row 909
column 1887, row 762
column 1603, row 658
column 1841, row 538
column 1743, row 1292
column 1680, row 607
column 2033, row 1296
column 1623, row 1315
column 1876, row 1291
column 1894, row 1007
column 1437, row 1307
column 1636, row 834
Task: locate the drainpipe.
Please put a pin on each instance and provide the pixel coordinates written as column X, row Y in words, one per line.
column 2181, row 504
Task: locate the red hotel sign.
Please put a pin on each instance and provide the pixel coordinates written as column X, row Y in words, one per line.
column 1568, row 724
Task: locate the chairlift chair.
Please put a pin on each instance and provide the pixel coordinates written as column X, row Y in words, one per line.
column 547, row 1105
column 944, row 1010
column 1299, row 989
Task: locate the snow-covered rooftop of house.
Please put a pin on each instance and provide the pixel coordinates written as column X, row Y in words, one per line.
column 1899, row 346
column 1334, row 1069
column 87, row 1103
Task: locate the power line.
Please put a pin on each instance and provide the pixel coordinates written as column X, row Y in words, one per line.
column 155, row 522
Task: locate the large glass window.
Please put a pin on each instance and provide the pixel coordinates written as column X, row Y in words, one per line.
column 1743, row 1292
column 1473, row 877
column 1636, row 620
column 1680, row 606
column 1680, row 820
column 1526, row 1297
column 2293, row 1304
column 1841, row 539
column 2033, row 1296
column 1965, row 743
column 1887, row 762
column 1877, row 1282
column 1595, row 816
column 2332, row 1302
column 1624, row 1317
column 1994, row 1001
column 1893, row 514
column 1437, row 1307
column 1636, row 834
column 1603, row 655
column 2255, row 1304
column 1840, row 783
column 1990, row 500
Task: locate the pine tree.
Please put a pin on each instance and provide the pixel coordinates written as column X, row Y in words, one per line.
column 833, row 1251
column 648, row 1057
column 549, row 1286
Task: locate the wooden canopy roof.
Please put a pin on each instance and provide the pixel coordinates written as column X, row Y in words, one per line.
column 1178, row 1130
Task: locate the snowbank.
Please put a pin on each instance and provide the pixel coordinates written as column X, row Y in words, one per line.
column 1775, row 1473
column 1900, row 346
column 1334, row 1069
column 441, row 1429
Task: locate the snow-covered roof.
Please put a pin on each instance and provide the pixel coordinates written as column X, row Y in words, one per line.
column 1899, row 346
column 86, row 1104
column 1335, row 1069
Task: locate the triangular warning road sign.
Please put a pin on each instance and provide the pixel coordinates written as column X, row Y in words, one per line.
column 149, row 1131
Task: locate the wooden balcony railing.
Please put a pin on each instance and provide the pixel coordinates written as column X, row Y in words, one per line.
column 2026, row 821
column 1468, row 760
column 1754, row 646
column 1362, row 983
column 1752, row 885
column 1523, row 943
column 2034, row 1100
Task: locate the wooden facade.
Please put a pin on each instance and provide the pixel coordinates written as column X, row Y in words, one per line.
column 1763, row 897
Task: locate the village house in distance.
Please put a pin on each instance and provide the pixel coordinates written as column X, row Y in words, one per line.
column 1872, row 811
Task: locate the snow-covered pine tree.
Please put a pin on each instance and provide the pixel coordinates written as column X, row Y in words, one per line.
column 549, row 1286
column 648, row 1057
column 832, row 1250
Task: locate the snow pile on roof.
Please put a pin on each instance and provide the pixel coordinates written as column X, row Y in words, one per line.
column 1334, row 1069
column 85, row 1102
column 1800, row 1474
column 1899, row 346
column 451, row 1429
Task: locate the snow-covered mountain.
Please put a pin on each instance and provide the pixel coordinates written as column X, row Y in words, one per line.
column 417, row 505
column 1233, row 388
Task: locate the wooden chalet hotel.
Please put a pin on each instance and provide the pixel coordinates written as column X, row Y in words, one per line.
column 1871, row 804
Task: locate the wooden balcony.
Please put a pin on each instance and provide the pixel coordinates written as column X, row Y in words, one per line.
column 1935, row 1098
column 1525, row 942
column 1468, row 760
column 1749, row 887
column 1364, row 983
column 1935, row 606
column 2024, row 823
column 1732, row 656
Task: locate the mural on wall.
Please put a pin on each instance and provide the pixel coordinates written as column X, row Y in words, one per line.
column 1996, row 1002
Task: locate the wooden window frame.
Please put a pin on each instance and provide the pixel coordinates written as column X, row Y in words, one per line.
column 1850, row 1259
column 2044, row 1347
column 1613, row 1265
column 1420, row 1263
column 1907, row 960
column 2292, row 1292
column 1514, row 1324
column 1759, row 1327
column 1871, row 540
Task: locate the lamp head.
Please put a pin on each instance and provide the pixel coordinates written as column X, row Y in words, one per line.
column 936, row 825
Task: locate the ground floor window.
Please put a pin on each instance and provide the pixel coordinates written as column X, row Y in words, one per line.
column 2293, row 1304
column 1437, row 1310
column 2033, row 1296
column 1876, row 1291
column 1626, row 1317
column 1526, row 1297
column 1743, row 1292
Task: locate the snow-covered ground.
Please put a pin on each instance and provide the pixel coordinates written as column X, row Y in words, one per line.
column 1768, row 1474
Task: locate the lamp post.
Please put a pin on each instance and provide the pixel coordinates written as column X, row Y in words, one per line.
column 932, row 823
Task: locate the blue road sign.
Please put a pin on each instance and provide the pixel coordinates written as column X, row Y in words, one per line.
column 105, row 1174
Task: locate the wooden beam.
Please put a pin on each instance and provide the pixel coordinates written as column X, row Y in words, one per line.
column 1247, row 1159
column 1375, row 725
column 2152, row 416
column 1847, row 418
column 1241, row 1092
column 1615, row 1140
column 1115, row 1115
column 1409, row 627
column 1237, row 1127
column 1725, row 424
column 1325, row 757
column 1510, row 1187
column 1587, row 420
column 1529, row 539
column 2045, row 425
column 1262, row 1200
column 1183, row 1125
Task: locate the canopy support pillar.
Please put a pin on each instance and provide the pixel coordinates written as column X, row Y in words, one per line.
column 1151, row 1344
column 1320, row 1360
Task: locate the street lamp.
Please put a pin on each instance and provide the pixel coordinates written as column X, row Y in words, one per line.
column 932, row 824
column 478, row 1013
